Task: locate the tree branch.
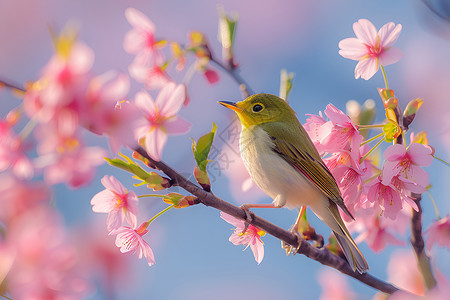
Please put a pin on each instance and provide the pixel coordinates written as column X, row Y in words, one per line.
column 322, row 255
column 423, row 261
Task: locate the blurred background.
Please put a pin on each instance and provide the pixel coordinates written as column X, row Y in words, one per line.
column 194, row 258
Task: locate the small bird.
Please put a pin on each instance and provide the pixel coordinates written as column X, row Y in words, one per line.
column 283, row 161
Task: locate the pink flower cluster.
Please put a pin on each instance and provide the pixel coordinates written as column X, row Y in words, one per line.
column 122, row 205
column 369, row 191
column 37, row 260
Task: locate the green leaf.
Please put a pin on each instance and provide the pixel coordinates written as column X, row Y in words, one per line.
column 285, row 84
column 202, row 147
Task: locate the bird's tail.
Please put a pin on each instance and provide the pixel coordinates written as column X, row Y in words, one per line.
column 348, row 245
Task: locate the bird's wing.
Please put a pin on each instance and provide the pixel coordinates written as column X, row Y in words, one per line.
column 313, row 169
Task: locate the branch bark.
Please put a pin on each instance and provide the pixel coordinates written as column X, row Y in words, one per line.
column 423, row 261
column 322, row 255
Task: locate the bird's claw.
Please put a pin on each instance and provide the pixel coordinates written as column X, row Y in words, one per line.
column 289, row 248
column 248, row 217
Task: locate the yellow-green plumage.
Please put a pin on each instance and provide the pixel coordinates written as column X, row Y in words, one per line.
column 284, row 163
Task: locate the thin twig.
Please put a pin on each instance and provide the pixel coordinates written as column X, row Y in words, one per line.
column 243, row 86
column 322, row 255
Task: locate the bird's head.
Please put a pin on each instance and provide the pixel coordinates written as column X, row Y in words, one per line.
column 261, row 108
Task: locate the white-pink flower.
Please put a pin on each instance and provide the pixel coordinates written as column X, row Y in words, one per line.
column 371, row 48
column 119, row 203
column 12, row 153
column 338, row 134
column 106, row 110
column 160, row 117
column 75, row 168
column 407, row 164
column 130, row 240
column 251, row 237
column 141, row 39
column 439, row 232
column 386, row 197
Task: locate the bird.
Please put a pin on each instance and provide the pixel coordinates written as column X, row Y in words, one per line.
column 283, row 161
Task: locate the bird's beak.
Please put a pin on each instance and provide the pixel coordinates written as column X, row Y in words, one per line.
column 231, row 105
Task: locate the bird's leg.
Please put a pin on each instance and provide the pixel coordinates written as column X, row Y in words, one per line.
column 247, row 207
column 294, row 229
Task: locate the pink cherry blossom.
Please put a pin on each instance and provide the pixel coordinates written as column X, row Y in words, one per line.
column 378, row 231
column 335, row 286
column 149, row 72
column 75, row 168
column 119, row 203
column 106, row 110
column 371, row 48
column 340, row 133
column 403, row 272
column 129, row 239
column 386, row 197
column 160, row 117
column 407, row 163
column 19, row 196
column 439, row 232
column 46, row 263
column 251, row 237
column 141, row 39
column 61, row 87
column 12, row 153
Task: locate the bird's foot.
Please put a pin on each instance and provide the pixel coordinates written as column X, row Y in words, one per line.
column 289, row 248
column 248, row 216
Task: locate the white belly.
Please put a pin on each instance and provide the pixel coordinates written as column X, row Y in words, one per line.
column 272, row 173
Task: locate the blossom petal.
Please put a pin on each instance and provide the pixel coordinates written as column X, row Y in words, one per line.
column 366, row 68
column 352, row 48
column 258, row 250
column 390, row 56
column 137, row 19
column 172, row 100
column 111, row 183
column 145, row 102
column 103, row 202
column 394, row 152
column 177, row 126
column 365, row 31
column 114, row 220
column 232, row 220
column 134, row 42
column 420, row 154
column 154, row 143
column 388, row 34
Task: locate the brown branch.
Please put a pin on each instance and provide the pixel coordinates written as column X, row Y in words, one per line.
column 423, row 261
column 322, row 255
column 243, row 86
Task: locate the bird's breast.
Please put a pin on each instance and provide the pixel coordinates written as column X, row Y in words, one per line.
column 271, row 172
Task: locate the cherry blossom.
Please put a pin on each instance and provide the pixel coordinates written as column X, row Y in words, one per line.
column 106, row 110
column 340, row 133
column 12, row 153
column 407, row 163
column 129, row 239
column 160, row 117
column 371, row 48
column 115, row 200
column 76, row 168
column 141, row 39
column 251, row 237
column 439, row 232
column 335, row 286
column 378, row 231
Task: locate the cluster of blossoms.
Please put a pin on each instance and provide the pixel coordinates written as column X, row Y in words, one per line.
column 375, row 194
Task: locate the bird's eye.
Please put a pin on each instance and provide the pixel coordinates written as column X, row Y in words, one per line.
column 257, row 108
